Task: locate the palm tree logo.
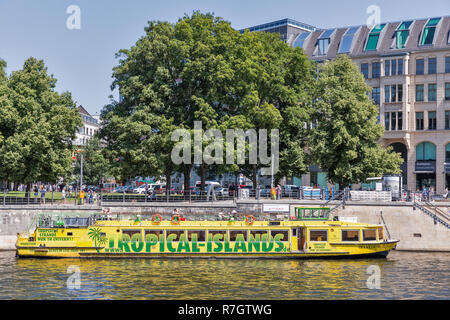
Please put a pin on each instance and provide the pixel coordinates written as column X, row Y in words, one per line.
column 96, row 235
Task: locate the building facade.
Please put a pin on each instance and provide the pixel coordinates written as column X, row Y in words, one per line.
column 91, row 124
column 407, row 63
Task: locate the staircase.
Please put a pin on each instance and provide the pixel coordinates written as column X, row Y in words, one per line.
column 437, row 214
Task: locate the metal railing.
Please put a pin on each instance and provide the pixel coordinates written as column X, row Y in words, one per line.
column 436, row 215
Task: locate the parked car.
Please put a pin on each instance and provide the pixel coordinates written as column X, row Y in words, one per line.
column 128, row 189
column 233, row 189
column 159, row 188
column 139, row 190
column 119, row 189
column 290, row 190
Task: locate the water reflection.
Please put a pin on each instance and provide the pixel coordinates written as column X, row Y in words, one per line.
column 404, row 275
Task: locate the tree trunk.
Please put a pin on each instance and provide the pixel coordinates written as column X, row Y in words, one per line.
column 168, row 173
column 254, row 177
column 203, row 176
column 187, row 177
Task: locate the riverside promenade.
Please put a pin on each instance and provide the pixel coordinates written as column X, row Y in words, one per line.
column 419, row 227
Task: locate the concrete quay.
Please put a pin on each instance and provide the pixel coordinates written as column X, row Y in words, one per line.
column 415, row 230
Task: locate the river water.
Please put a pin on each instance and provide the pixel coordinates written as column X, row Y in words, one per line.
column 403, row 275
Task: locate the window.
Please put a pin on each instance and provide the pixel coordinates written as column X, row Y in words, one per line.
column 426, row 151
column 428, row 32
column 394, row 67
column 400, row 67
column 419, row 92
column 432, row 92
column 350, row 235
column 376, row 95
column 400, row 120
column 420, row 69
column 447, row 91
column 152, row 234
column 431, row 120
column 431, row 65
column 196, row 235
column 387, row 94
column 299, row 42
column 365, row 70
column 447, row 64
column 370, row 235
column 447, row 120
column 280, row 235
column 399, row 93
column 258, row 234
column 131, row 235
column 387, row 67
column 380, row 234
column 387, row 121
column 324, row 41
column 347, row 40
column 174, row 235
column 217, row 235
column 235, row 234
column 402, row 34
column 419, row 120
column 394, row 121
column 393, row 93
column 375, row 69
column 372, row 40
column 318, row 235
column 447, row 153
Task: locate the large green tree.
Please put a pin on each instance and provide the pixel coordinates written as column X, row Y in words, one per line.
column 37, row 126
column 345, row 134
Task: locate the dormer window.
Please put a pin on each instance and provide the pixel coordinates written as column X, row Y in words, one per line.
column 324, row 42
column 429, row 31
column 374, row 35
column 347, row 40
column 299, row 42
column 402, row 34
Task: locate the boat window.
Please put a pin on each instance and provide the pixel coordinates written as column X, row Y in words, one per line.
column 380, row 234
column 235, row 233
column 280, row 234
column 69, row 234
column 213, row 233
column 370, row 235
column 157, row 233
column 318, row 235
column 130, row 233
column 294, row 232
column 350, row 235
column 196, row 235
column 261, row 233
column 174, row 235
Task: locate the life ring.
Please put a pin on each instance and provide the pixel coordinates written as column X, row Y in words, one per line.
column 156, row 219
column 175, row 219
column 249, row 220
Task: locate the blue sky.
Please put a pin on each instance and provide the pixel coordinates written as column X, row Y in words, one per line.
column 82, row 60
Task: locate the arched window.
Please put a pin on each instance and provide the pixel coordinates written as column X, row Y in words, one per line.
column 447, row 153
column 426, row 151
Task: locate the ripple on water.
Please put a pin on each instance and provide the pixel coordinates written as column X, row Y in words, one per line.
column 404, row 275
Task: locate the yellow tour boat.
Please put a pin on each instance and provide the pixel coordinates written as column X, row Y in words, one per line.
column 310, row 234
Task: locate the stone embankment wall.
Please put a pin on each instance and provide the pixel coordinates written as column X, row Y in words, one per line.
column 415, row 230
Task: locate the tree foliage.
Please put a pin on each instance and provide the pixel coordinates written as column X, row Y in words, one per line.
column 344, row 142
column 37, row 125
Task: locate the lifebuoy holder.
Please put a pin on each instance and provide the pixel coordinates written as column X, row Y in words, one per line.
column 175, row 219
column 249, row 219
column 156, row 219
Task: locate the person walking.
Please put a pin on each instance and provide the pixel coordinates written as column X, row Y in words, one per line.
column 63, row 195
column 43, row 191
column 36, row 193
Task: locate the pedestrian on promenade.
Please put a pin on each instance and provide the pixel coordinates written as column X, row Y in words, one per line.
column 273, row 193
column 431, row 193
column 36, row 193
column 63, row 195
column 43, row 191
column 278, row 192
column 446, row 193
column 81, row 196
